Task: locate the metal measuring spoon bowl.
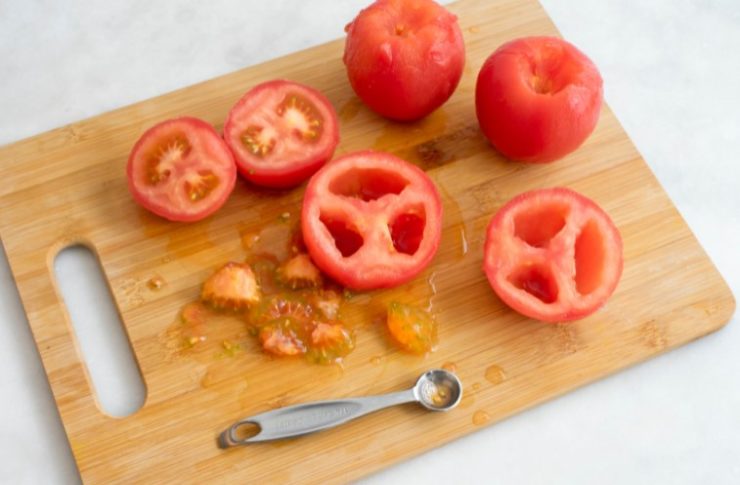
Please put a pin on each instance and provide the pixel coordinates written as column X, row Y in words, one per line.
column 436, row 390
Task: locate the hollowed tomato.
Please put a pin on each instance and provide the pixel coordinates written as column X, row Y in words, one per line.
column 538, row 98
column 371, row 220
column 181, row 170
column 404, row 58
column 553, row 255
column 281, row 132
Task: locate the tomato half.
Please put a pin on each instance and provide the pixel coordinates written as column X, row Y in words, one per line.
column 538, row 98
column 281, row 132
column 553, row 255
column 404, row 58
column 181, row 170
column 371, row 220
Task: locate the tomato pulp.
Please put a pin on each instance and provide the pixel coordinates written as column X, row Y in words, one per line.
column 281, row 132
column 538, row 98
column 553, row 255
column 404, row 58
column 412, row 329
column 371, row 220
column 181, row 170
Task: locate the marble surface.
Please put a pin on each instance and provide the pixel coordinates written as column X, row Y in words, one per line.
column 672, row 76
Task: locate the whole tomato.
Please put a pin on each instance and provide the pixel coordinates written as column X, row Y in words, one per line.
column 404, row 58
column 538, row 98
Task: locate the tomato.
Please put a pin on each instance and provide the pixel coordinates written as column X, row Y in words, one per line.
column 538, row 98
column 299, row 272
column 404, row 58
column 281, row 132
column 232, row 287
column 193, row 328
column 371, row 220
column 413, row 329
column 283, row 336
column 181, row 170
column 553, row 255
column 330, row 342
column 302, row 322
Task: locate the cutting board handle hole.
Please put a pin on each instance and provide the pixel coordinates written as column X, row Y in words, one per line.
column 101, row 336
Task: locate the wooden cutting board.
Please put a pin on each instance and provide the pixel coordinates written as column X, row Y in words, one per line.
column 68, row 186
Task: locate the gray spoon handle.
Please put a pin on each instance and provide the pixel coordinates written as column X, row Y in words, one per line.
column 310, row 417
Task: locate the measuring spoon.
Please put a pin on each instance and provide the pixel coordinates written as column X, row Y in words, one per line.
column 436, row 390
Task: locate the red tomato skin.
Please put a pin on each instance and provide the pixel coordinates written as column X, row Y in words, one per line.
column 372, row 278
column 539, row 127
column 142, row 200
column 404, row 78
column 494, row 260
column 290, row 177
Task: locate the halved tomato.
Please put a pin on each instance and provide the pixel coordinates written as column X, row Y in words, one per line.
column 181, row 170
column 281, row 132
column 371, row 220
column 553, row 255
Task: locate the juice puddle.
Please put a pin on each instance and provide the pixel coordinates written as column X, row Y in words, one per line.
column 155, row 283
column 349, row 110
column 495, row 375
column 206, row 335
column 368, row 310
column 318, row 322
column 480, row 418
column 431, row 142
column 192, row 243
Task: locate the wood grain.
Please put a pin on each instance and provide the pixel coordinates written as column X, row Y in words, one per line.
column 67, row 186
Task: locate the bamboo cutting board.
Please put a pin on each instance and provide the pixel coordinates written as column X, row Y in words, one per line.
column 68, row 186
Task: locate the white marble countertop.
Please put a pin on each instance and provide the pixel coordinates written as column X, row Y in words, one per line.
column 672, row 76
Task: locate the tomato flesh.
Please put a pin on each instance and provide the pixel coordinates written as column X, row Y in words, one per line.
column 283, row 336
column 181, row 170
column 232, row 287
column 553, row 255
column 404, row 58
column 299, row 272
column 371, row 220
column 538, row 98
column 281, row 132
column 411, row 328
column 302, row 322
